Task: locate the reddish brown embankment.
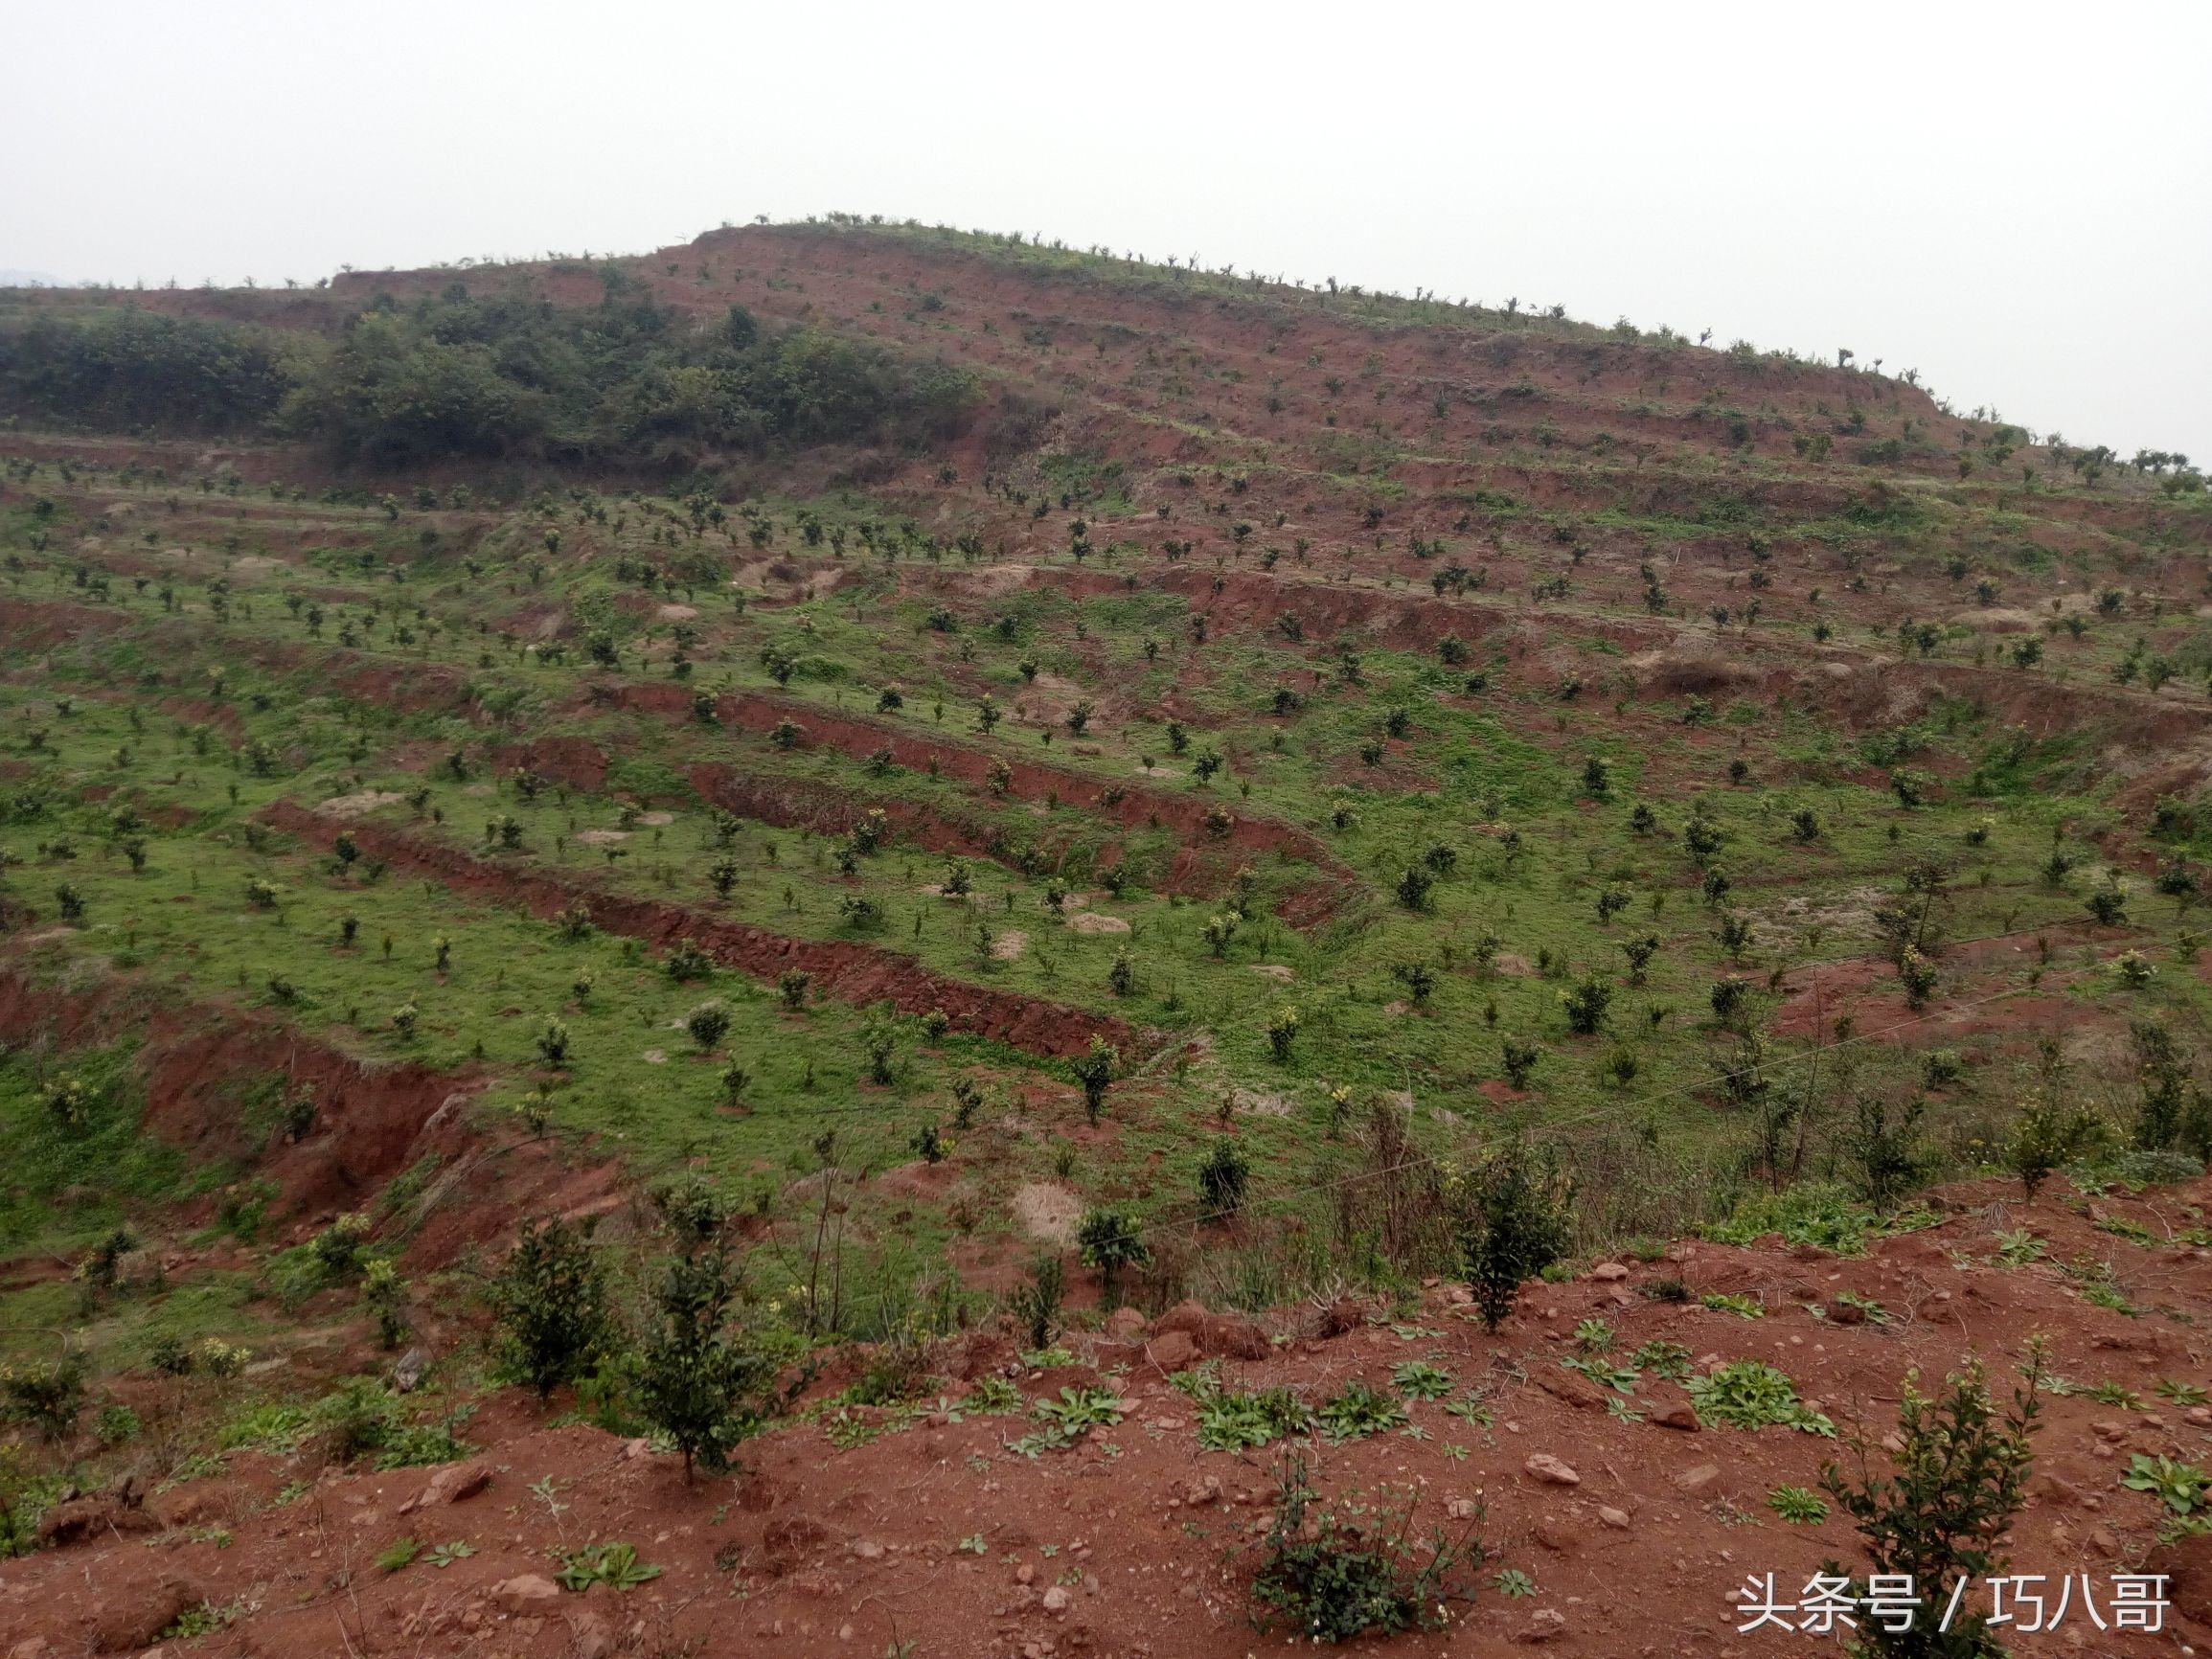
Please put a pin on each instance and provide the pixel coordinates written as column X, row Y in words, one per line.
column 844, row 971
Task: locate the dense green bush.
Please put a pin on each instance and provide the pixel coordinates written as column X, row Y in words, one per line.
column 128, row 369
column 623, row 382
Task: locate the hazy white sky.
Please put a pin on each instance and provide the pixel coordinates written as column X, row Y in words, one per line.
column 2013, row 199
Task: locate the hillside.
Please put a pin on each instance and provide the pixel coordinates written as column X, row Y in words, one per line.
column 1058, row 827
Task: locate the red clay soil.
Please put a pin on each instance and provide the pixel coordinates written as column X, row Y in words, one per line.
column 853, row 734
column 793, row 803
column 846, row 972
column 1637, row 1533
column 1135, row 804
column 199, row 1063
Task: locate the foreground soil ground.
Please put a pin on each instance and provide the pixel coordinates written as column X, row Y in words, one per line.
column 1134, row 1541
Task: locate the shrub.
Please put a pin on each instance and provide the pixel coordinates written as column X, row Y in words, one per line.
column 553, row 1043
column 47, row 1394
column 1917, row 974
column 1110, row 1240
column 1587, row 1003
column 687, row 961
column 1515, row 1221
column 879, row 1042
column 2049, row 1135
column 1094, row 1069
column 168, row 1357
column 1335, row 1576
column 1890, row 1157
column 338, row 1247
column 708, row 1024
column 1035, row 1304
column 550, row 1300
column 863, row 912
column 1282, row 1028
column 1121, row 976
column 2108, row 903
column 1941, row 1515
column 1418, row 978
column 1222, row 1179
column 698, row 1385
column 384, row 1293
column 791, row 986
column 1520, row 1056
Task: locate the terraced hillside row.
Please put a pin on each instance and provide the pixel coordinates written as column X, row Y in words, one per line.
column 1021, row 771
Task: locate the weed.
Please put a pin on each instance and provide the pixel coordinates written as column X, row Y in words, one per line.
column 1358, row 1411
column 1798, row 1506
column 1750, row 1393
column 1333, row 1572
column 614, row 1563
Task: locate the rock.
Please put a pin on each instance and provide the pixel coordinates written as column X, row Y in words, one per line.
column 1187, row 1316
column 1557, row 1535
column 526, row 1592
column 83, row 1519
column 2101, row 1541
column 1025, row 1573
column 1174, row 1350
column 2187, row 1563
column 128, row 1617
column 1462, row 1509
column 409, row 1370
column 867, row 1549
column 453, row 1483
column 1196, row 1491
column 1544, row 1466
column 1125, row 1324
column 1846, row 1314
column 1676, row 1414
column 1617, row 1519
column 1697, row 1477
column 1545, row 1625
column 1342, row 1316
column 2199, row 1414
column 1236, row 1338
column 1892, row 1443
column 1057, row 1599
column 1572, row 1388
column 1608, row 1270
column 589, row 1635
column 2055, row 1490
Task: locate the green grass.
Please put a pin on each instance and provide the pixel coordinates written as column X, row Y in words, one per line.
column 1491, row 779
